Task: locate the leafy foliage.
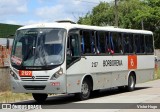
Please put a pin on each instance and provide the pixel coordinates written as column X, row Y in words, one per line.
column 134, row 14
column 7, row 29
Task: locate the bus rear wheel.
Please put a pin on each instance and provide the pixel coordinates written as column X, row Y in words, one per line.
column 39, row 97
column 131, row 83
column 85, row 90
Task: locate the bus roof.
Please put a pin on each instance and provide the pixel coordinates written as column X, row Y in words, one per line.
column 69, row 26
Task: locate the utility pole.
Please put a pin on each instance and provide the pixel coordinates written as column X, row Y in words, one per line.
column 142, row 25
column 116, row 13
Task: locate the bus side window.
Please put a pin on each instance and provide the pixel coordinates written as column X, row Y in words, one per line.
column 107, row 43
column 126, row 43
column 100, row 39
column 111, row 50
column 131, row 43
column 117, row 41
column 120, row 43
column 87, row 41
column 131, row 39
column 149, row 43
column 82, row 44
column 142, row 46
column 137, row 43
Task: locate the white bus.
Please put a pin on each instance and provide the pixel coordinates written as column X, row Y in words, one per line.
column 64, row 58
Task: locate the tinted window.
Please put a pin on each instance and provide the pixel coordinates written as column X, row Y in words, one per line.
column 142, row 45
column 116, row 42
column 102, row 40
column 128, row 43
column 86, row 42
column 139, row 43
column 149, row 43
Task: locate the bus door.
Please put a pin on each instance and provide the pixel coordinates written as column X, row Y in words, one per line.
column 72, row 49
column 73, row 63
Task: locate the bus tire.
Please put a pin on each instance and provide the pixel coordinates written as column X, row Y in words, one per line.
column 85, row 90
column 131, row 83
column 39, row 97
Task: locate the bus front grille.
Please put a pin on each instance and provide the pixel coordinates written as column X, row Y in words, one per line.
column 35, row 78
column 34, row 87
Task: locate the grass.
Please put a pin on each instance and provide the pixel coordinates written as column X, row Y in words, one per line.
column 9, row 97
column 157, row 73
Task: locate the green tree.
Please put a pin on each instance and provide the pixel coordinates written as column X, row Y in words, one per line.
column 101, row 15
column 87, row 20
column 153, row 19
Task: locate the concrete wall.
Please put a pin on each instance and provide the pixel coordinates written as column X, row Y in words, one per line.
column 157, row 53
column 4, row 79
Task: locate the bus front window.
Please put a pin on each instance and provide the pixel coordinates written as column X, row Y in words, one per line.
column 38, row 47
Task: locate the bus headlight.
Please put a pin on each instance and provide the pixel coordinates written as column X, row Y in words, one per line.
column 57, row 74
column 13, row 75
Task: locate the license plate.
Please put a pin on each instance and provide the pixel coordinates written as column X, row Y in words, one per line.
column 23, row 73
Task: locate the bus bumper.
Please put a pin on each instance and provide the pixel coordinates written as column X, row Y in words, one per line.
column 50, row 86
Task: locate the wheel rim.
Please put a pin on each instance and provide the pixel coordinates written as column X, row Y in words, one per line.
column 85, row 89
column 131, row 82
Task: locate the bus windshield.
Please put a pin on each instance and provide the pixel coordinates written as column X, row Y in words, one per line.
column 38, row 47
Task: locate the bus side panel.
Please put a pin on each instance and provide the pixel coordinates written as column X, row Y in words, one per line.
column 144, row 75
column 75, row 74
column 103, row 80
column 119, row 78
column 106, row 72
column 145, row 68
column 73, row 83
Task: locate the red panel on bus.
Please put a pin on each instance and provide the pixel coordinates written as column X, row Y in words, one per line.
column 132, row 62
column 23, row 73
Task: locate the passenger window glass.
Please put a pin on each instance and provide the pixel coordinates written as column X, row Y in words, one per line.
column 149, row 43
column 103, row 44
column 87, row 42
column 139, row 44
column 116, row 42
column 128, row 43
column 120, row 44
column 93, row 46
column 142, row 46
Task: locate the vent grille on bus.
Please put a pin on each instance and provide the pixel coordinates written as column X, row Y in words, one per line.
column 35, row 78
column 34, row 87
column 65, row 21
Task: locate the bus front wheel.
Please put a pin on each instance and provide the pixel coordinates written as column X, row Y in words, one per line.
column 39, row 97
column 85, row 90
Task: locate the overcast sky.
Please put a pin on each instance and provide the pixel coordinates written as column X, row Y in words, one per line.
column 35, row 11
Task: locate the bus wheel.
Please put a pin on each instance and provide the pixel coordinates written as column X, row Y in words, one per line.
column 131, row 83
column 85, row 90
column 40, row 98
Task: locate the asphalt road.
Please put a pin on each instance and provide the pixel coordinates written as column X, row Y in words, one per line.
column 115, row 101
